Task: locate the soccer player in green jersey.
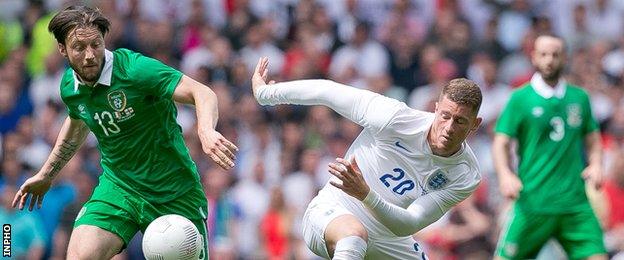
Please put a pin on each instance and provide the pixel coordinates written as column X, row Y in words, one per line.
column 558, row 146
column 127, row 101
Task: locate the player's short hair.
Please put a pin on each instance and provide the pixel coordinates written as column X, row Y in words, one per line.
column 464, row 92
column 77, row 16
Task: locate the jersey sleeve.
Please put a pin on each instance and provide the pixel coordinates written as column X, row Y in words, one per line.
column 368, row 109
column 509, row 120
column 590, row 125
column 72, row 113
column 153, row 76
column 422, row 212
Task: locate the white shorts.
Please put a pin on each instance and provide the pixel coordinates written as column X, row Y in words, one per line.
column 323, row 209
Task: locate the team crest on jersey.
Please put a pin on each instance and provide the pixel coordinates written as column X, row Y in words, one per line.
column 437, row 180
column 575, row 119
column 537, row 111
column 81, row 109
column 117, row 100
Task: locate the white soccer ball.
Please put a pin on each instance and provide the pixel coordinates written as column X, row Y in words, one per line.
column 172, row 237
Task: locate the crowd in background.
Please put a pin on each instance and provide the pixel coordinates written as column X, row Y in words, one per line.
column 405, row 49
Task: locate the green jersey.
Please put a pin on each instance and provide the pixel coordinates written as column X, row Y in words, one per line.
column 550, row 134
column 132, row 114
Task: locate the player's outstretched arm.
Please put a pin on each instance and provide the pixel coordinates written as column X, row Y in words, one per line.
column 402, row 222
column 70, row 138
column 219, row 149
column 363, row 107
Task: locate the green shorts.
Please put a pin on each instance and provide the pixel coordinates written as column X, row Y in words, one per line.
column 525, row 233
column 119, row 212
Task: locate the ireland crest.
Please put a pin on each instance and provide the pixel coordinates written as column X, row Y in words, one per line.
column 575, row 116
column 117, row 100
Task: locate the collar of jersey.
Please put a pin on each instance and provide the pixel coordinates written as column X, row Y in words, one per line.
column 107, row 72
column 542, row 89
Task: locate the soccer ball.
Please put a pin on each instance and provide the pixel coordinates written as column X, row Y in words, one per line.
column 172, row 237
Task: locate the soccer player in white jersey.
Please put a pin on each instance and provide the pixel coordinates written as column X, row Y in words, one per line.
column 412, row 166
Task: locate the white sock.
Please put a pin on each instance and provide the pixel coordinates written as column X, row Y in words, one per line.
column 350, row 248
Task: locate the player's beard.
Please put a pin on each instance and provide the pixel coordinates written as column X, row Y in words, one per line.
column 89, row 74
column 553, row 75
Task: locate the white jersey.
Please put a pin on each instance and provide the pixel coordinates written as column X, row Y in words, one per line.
column 392, row 152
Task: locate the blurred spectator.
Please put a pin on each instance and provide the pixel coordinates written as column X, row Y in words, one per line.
column 605, row 19
column 14, row 101
column 490, row 43
column 34, row 150
column 251, row 197
column 259, row 44
column 201, row 55
column 275, row 227
column 12, row 172
column 361, row 57
column 239, row 23
column 516, row 68
column 347, row 20
column 45, row 87
column 424, row 97
column 326, row 36
column 306, row 57
column 11, row 35
column 403, row 17
column 192, row 31
column 458, row 46
column 222, row 214
column 579, row 36
column 41, row 42
column 382, row 84
column 514, row 23
column 298, row 189
column 258, row 143
column 404, row 66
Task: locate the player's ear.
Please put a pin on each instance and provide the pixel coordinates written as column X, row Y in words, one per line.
column 62, row 49
column 476, row 125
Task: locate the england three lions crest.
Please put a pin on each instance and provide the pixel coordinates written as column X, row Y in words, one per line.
column 117, row 100
column 437, row 180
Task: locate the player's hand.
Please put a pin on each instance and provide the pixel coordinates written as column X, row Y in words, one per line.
column 593, row 175
column 349, row 173
column 219, row 149
column 260, row 75
column 35, row 187
column 510, row 186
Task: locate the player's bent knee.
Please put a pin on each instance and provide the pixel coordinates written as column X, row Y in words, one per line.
column 344, row 226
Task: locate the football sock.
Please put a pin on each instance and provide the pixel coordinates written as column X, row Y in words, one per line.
column 349, row 248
